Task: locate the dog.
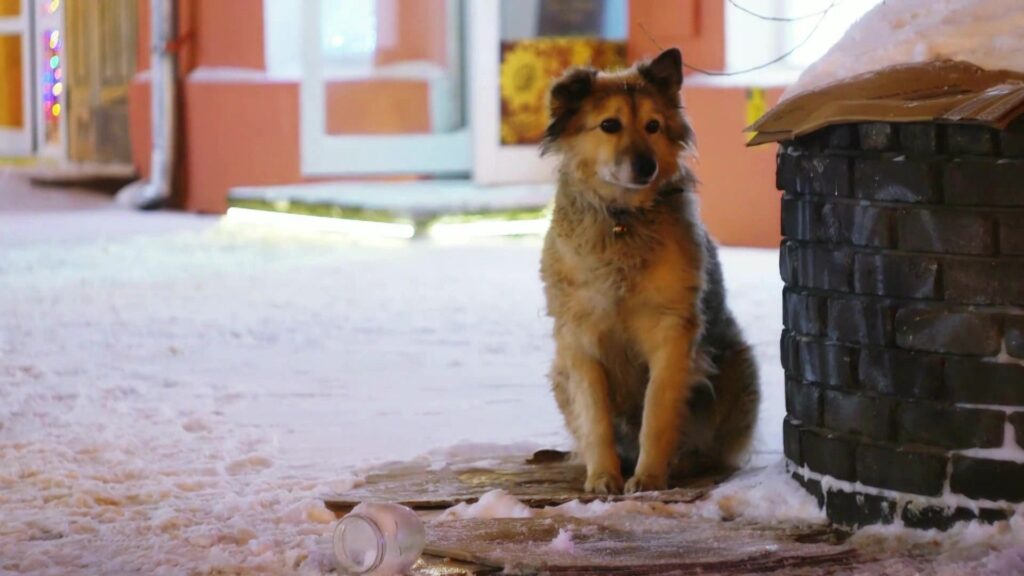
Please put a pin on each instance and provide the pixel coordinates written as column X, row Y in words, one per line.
column 651, row 371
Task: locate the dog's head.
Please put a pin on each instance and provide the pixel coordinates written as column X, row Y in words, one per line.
column 621, row 134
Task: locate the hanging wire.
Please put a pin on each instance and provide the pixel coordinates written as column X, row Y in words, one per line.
column 741, row 8
column 783, row 56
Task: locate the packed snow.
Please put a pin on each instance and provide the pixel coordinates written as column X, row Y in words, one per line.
column 563, row 542
column 765, row 494
column 176, row 393
column 988, row 33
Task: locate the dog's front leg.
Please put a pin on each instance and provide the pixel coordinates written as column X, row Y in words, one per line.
column 669, row 351
column 590, row 411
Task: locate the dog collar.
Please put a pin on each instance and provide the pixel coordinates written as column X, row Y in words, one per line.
column 620, row 215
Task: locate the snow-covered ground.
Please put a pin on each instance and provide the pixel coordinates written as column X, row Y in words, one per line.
column 175, row 393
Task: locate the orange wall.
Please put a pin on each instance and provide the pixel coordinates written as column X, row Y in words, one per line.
column 737, row 184
column 420, row 31
column 385, row 106
column 697, row 27
column 259, row 146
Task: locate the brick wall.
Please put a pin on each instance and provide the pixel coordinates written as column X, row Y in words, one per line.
column 903, row 258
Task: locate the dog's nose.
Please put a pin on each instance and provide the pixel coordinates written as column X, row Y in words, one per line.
column 644, row 167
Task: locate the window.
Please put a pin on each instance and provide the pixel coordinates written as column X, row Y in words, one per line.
column 349, row 30
column 752, row 41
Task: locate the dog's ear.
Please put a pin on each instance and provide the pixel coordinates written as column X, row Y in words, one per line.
column 665, row 72
column 567, row 96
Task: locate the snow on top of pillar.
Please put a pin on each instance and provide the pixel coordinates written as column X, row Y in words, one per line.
column 988, row 33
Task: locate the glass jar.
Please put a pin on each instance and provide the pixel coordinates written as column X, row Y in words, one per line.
column 378, row 540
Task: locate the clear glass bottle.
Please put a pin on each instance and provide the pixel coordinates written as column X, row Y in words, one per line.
column 378, row 540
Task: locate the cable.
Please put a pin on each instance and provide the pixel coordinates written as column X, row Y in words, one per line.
column 780, row 18
column 780, row 58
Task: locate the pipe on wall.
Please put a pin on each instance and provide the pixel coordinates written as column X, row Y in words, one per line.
column 154, row 192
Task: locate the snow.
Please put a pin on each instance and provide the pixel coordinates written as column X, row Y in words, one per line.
column 967, row 548
column 176, row 394
column 563, row 542
column 761, row 494
column 988, row 33
column 494, row 504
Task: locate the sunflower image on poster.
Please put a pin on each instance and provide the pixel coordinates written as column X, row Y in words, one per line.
column 528, row 67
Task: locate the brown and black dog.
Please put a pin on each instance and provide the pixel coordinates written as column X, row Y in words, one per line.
column 651, row 371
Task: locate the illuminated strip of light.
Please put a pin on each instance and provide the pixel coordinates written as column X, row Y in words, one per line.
column 306, row 223
column 489, row 228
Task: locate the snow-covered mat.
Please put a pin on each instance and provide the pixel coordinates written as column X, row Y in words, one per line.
column 545, row 478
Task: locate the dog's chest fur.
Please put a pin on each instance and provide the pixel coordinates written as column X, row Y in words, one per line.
column 599, row 284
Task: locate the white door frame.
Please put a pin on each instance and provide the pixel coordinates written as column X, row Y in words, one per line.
column 326, row 155
column 494, row 163
column 18, row 141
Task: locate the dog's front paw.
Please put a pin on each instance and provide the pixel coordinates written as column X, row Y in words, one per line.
column 642, row 482
column 603, row 483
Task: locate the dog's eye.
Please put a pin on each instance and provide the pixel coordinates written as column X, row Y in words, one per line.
column 611, row 125
column 652, row 127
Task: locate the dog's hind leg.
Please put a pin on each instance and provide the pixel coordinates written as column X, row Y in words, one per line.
column 737, row 401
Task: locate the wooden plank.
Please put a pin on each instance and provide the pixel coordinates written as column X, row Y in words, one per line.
column 637, row 544
column 547, row 478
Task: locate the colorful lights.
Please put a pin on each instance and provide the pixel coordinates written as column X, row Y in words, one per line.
column 52, row 6
column 52, row 78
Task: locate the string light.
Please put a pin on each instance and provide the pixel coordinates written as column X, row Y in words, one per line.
column 821, row 18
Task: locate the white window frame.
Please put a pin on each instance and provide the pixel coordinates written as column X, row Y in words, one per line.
column 322, row 154
column 494, row 163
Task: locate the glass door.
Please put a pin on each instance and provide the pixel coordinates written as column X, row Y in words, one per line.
column 15, row 79
column 519, row 48
column 382, row 88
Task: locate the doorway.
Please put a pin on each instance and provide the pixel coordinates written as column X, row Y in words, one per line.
column 65, row 69
column 101, row 52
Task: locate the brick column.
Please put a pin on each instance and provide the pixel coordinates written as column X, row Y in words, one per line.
column 903, row 259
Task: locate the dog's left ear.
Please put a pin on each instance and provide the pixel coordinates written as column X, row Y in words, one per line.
column 665, row 72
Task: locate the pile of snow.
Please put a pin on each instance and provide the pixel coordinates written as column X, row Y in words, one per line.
column 967, row 548
column 494, row 504
column 766, row 494
column 988, row 33
column 563, row 542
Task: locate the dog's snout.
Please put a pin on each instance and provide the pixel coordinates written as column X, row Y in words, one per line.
column 644, row 167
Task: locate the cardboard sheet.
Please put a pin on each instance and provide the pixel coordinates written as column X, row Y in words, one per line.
column 943, row 91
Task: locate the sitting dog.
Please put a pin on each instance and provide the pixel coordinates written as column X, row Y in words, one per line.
column 651, row 371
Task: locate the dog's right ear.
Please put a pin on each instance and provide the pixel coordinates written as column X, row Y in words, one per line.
column 567, row 96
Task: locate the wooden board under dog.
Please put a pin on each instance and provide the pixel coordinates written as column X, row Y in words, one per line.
column 547, row 478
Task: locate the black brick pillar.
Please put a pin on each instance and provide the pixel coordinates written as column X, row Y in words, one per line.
column 903, row 258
